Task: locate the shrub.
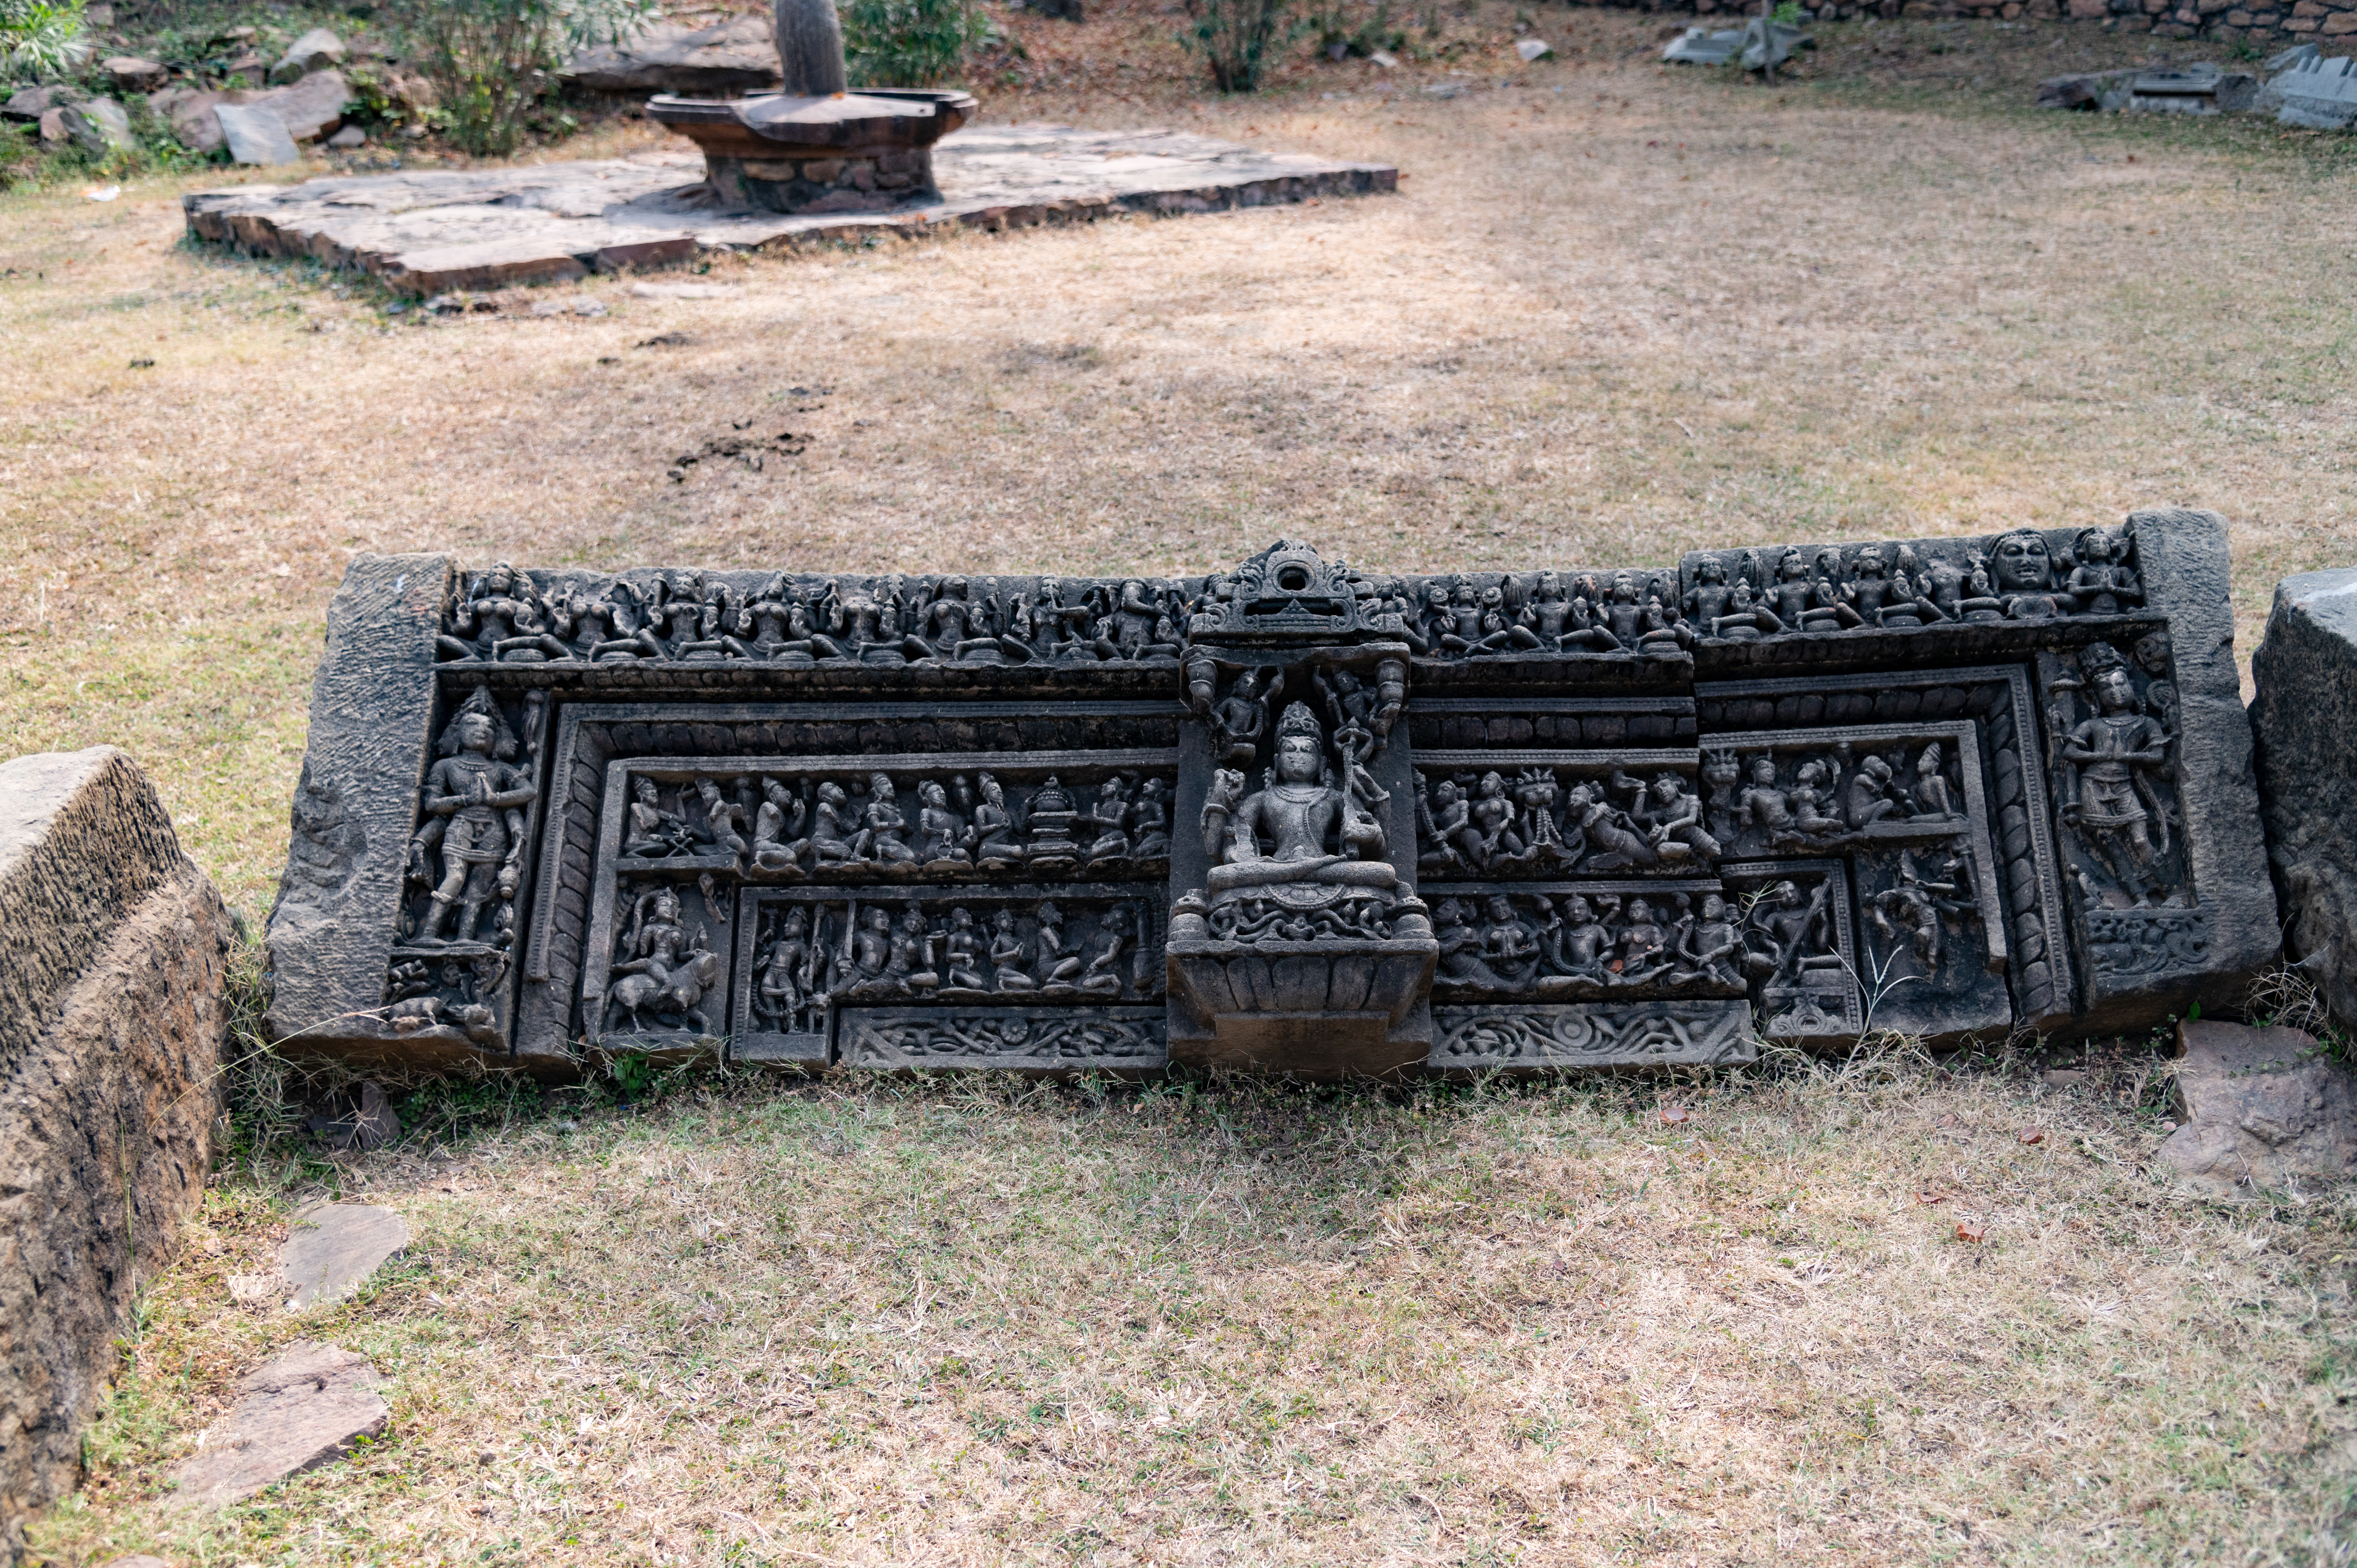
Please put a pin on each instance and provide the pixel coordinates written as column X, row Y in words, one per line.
column 1239, row 39
column 490, row 60
column 910, row 43
column 40, row 37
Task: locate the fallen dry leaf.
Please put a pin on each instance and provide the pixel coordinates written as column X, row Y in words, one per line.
column 1673, row 1114
column 2032, row 1136
column 1971, row 1229
column 1929, row 1198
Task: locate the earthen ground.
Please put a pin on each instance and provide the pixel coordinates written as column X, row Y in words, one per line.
column 1652, row 310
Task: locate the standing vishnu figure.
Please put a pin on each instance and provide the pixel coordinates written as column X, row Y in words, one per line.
column 473, row 805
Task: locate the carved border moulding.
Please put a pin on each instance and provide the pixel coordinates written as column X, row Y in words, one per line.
column 1122, row 1042
column 1800, row 948
column 1585, row 940
column 1475, row 724
column 806, row 955
column 1538, row 813
column 1591, row 1036
column 1997, row 698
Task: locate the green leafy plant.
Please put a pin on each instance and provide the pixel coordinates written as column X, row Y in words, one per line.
column 912, row 43
column 40, row 37
column 1786, row 14
column 1239, row 39
column 490, row 60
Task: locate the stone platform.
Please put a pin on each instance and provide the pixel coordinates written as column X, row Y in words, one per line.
column 434, row 230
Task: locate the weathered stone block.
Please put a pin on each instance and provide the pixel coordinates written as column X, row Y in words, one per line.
column 332, row 930
column 111, row 1018
column 2261, row 1107
column 2305, row 721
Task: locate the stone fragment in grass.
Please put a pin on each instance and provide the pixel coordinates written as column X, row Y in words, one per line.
column 255, row 135
column 2303, row 728
column 2261, row 1107
column 98, row 127
column 331, row 1251
column 1534, row 49
column 311, row 108
column 303, row 1408
column 315, row 50
column 350, row 136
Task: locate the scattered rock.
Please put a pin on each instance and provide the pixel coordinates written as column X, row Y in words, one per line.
column 32, row 102
column 377, row 1125
column 304, row 1408
column 1382, row 57
column 2261, row 1107
column 2303, row 724
column 255, row 135
column 97, row 128
column 189, row 112
column 1444, row 89
column 2086, row 92
column 1755, row 47
column 331, row 1251
column 53, row 128
column 1534, row 49
column 665, row 341
column 728, row 57
column 316, row 50
column 350, row 136
column 311, row 108
column 248, row 65
column 129, row 73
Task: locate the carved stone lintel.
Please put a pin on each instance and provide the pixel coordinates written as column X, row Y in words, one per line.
column 1590, row 1035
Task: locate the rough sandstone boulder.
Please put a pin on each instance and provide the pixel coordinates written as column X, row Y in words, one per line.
column 728, row 57
column 2262, row 1109
column 2304, row 721
column 112, row 1013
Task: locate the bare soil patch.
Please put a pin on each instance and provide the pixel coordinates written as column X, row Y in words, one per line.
column 1616, row 312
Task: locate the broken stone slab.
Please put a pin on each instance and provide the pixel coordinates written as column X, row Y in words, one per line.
column 98, row 127
column 2260, row 1108
column 1701, row 45
column 331, row 1251
column 2319, row 94
column 725, row 58
column 255, row 136
column 2200, row 89
column 2083, row 93
column 318, row 49
column 190, row 115
column 349, row 137
column 1531, row 50
column 2304, row 724
column 371, row 716
column 305, row 1407
column 427, row 231
column 112, row 1013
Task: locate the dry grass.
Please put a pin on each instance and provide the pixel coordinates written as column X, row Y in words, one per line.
column 1224, row 1324
column 872, row 1324
column 1650, row 311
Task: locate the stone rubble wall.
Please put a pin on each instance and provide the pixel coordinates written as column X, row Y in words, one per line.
column 112, row 1013
column 2300, row 21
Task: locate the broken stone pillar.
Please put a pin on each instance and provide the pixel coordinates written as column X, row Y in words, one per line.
column 2304, row 721
column 2261, row 1107
column 111, row 1013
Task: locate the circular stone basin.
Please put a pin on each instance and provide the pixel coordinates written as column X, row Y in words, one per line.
column 847, row 153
